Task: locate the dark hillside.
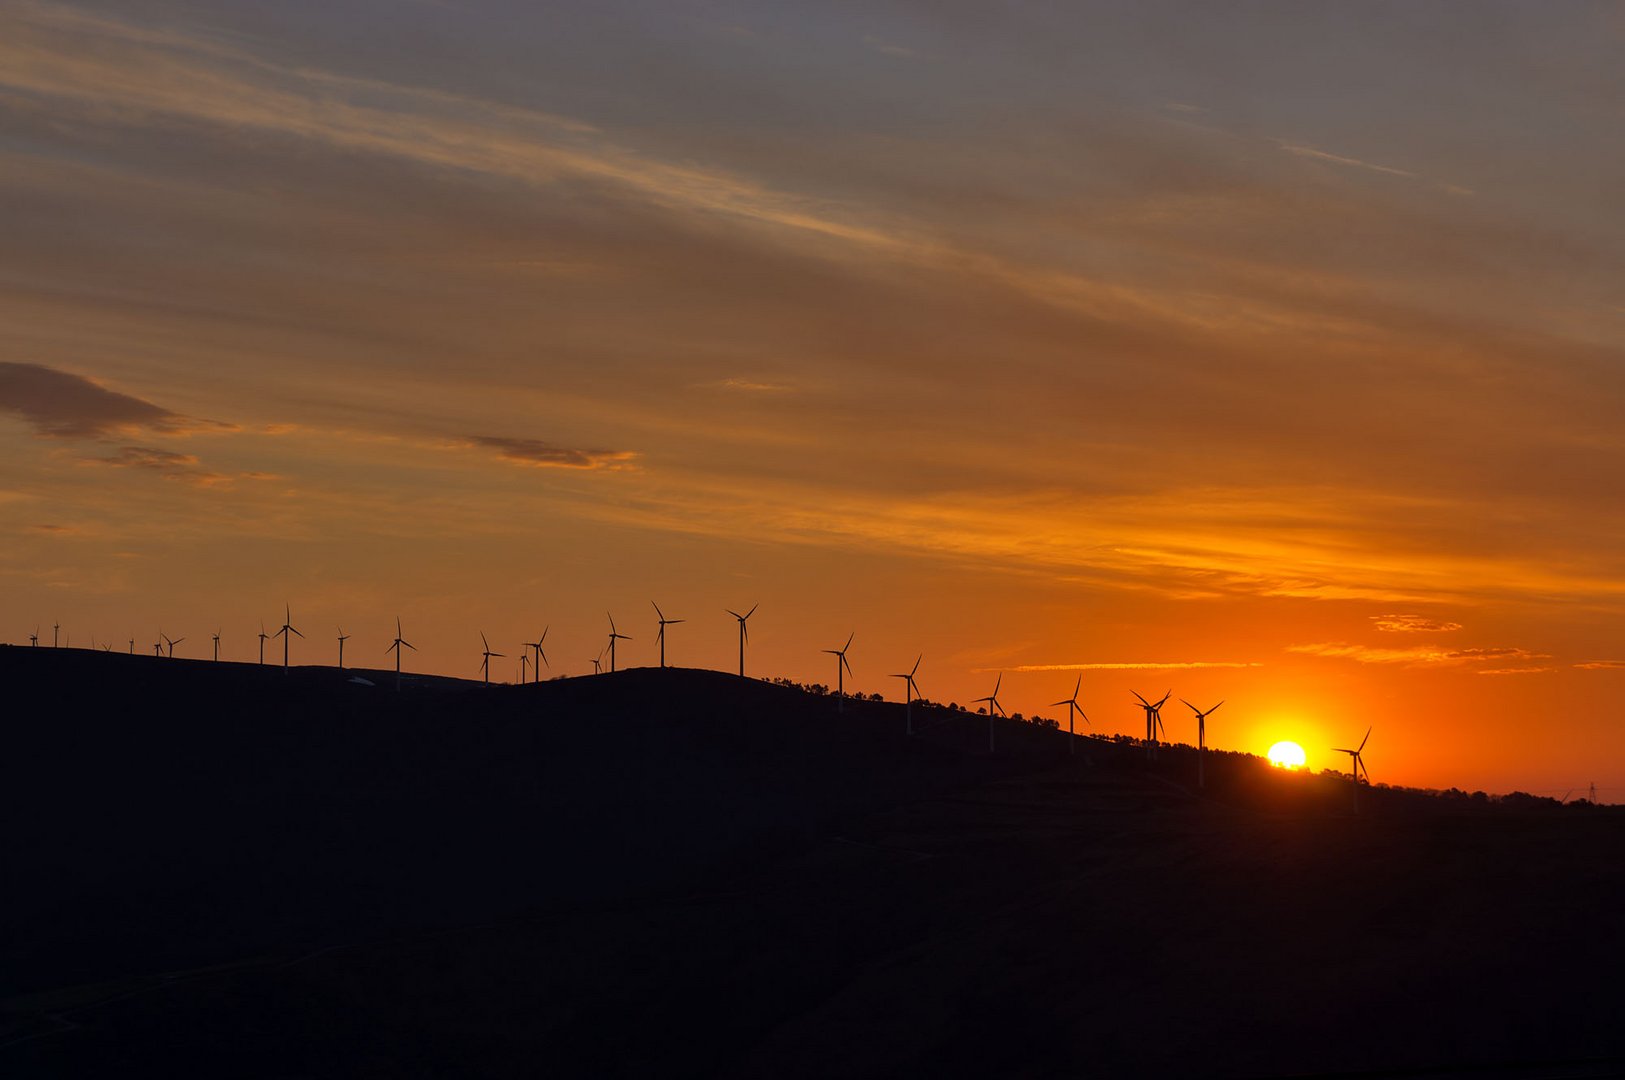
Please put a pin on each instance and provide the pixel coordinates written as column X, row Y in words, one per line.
column 222, row 870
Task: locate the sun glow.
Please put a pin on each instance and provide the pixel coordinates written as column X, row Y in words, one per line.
column 1287, row 755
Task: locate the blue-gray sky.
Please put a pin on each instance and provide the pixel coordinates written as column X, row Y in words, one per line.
column 1025, row 335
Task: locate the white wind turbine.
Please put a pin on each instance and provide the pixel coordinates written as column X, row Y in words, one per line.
column 541, row 655
column 841, row 667
column 744, row 633
column 395, row 647
column 910, row 691
column 485, row 665
column 993, row 709
column 614, row 636
column 286, row 634
column 1073, row 711
column 1201, row 738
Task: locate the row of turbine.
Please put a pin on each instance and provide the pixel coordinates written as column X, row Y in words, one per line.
column 165, row 647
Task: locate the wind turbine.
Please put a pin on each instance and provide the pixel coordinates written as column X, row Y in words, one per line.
column 1201, row 737
column 1356, row 766
column 33, row 639
column 661, row 637
column 841, row 667
column 1153, row 720
column 524, row 667
column 1073, row 711
column 263, row 636
column 171, row 642
column 993, row 709
column 541, row 655
column 598, row 663
column 614, row 636
column 286, row 635
column 158, row 646
column 55, row 627
column 910, row 692
column 485, row 665
column 744, row 633
column 132, row 646
column 395, row 647
column 216, row 637
column 343, row 637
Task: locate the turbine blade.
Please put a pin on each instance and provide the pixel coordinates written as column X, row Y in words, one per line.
column 916, row 666
column 1215, row 709
column 752, row 610
column 1144, row 702
column 849, row 638
column 1366, row 739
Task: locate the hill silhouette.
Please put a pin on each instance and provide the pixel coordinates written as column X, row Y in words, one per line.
column 221, row 869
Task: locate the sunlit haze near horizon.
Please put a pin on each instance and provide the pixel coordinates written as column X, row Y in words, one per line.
column 1269, row 353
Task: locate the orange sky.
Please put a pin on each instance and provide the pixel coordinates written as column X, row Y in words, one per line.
column 1270, row 355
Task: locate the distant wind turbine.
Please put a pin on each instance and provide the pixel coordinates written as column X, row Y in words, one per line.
column 524, row 666
column 1073, row 711
column 485, row 665
column 343, row 637
column 993, row 709
column 171, row 643
column 216, row 638
column 158, row 646
column 661, row 636
column 744, row 633
column 33, row 639
column 1356, row 766
column 541, row 655
column 1201, row 737
column 598, row 663
column 132, row 646
column 263, row 636
column 395, row 647
column 55, row 628
column 614, row 636
column 286, row 634
column 1153, row 720
column 841, row 667
column 910, row 692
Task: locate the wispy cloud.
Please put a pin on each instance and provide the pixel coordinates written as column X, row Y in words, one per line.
column 1339, row 159
column 1412, row 624
column 539, row 454
column 166, row 463
column 61, row 404
column 754, row 386
column 1602, row 665
column 886, row 48
column 1516, row 671
column 1414, row 656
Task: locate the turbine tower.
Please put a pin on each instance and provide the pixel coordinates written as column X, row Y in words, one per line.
column 343, row 637
column 744, row 633
column 993, row 709
column 485, row 665
column 1201, row 737
column 1153, row 720
column 1356, row 767
column 524, row 666
column 910, row 692
column 541, row 655
column 286, row 634
column 395, row 647
column 841, row 667
column 55, row 628
column 216, row 637
column 33, row 639
column 614, row 636
column 661, row 636
column 263, row 636
column 132, row 646
column 1073, row 711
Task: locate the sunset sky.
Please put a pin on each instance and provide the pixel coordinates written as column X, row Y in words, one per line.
column 1265, row 352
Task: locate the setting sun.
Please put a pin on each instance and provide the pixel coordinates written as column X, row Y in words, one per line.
column 1287, row 755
